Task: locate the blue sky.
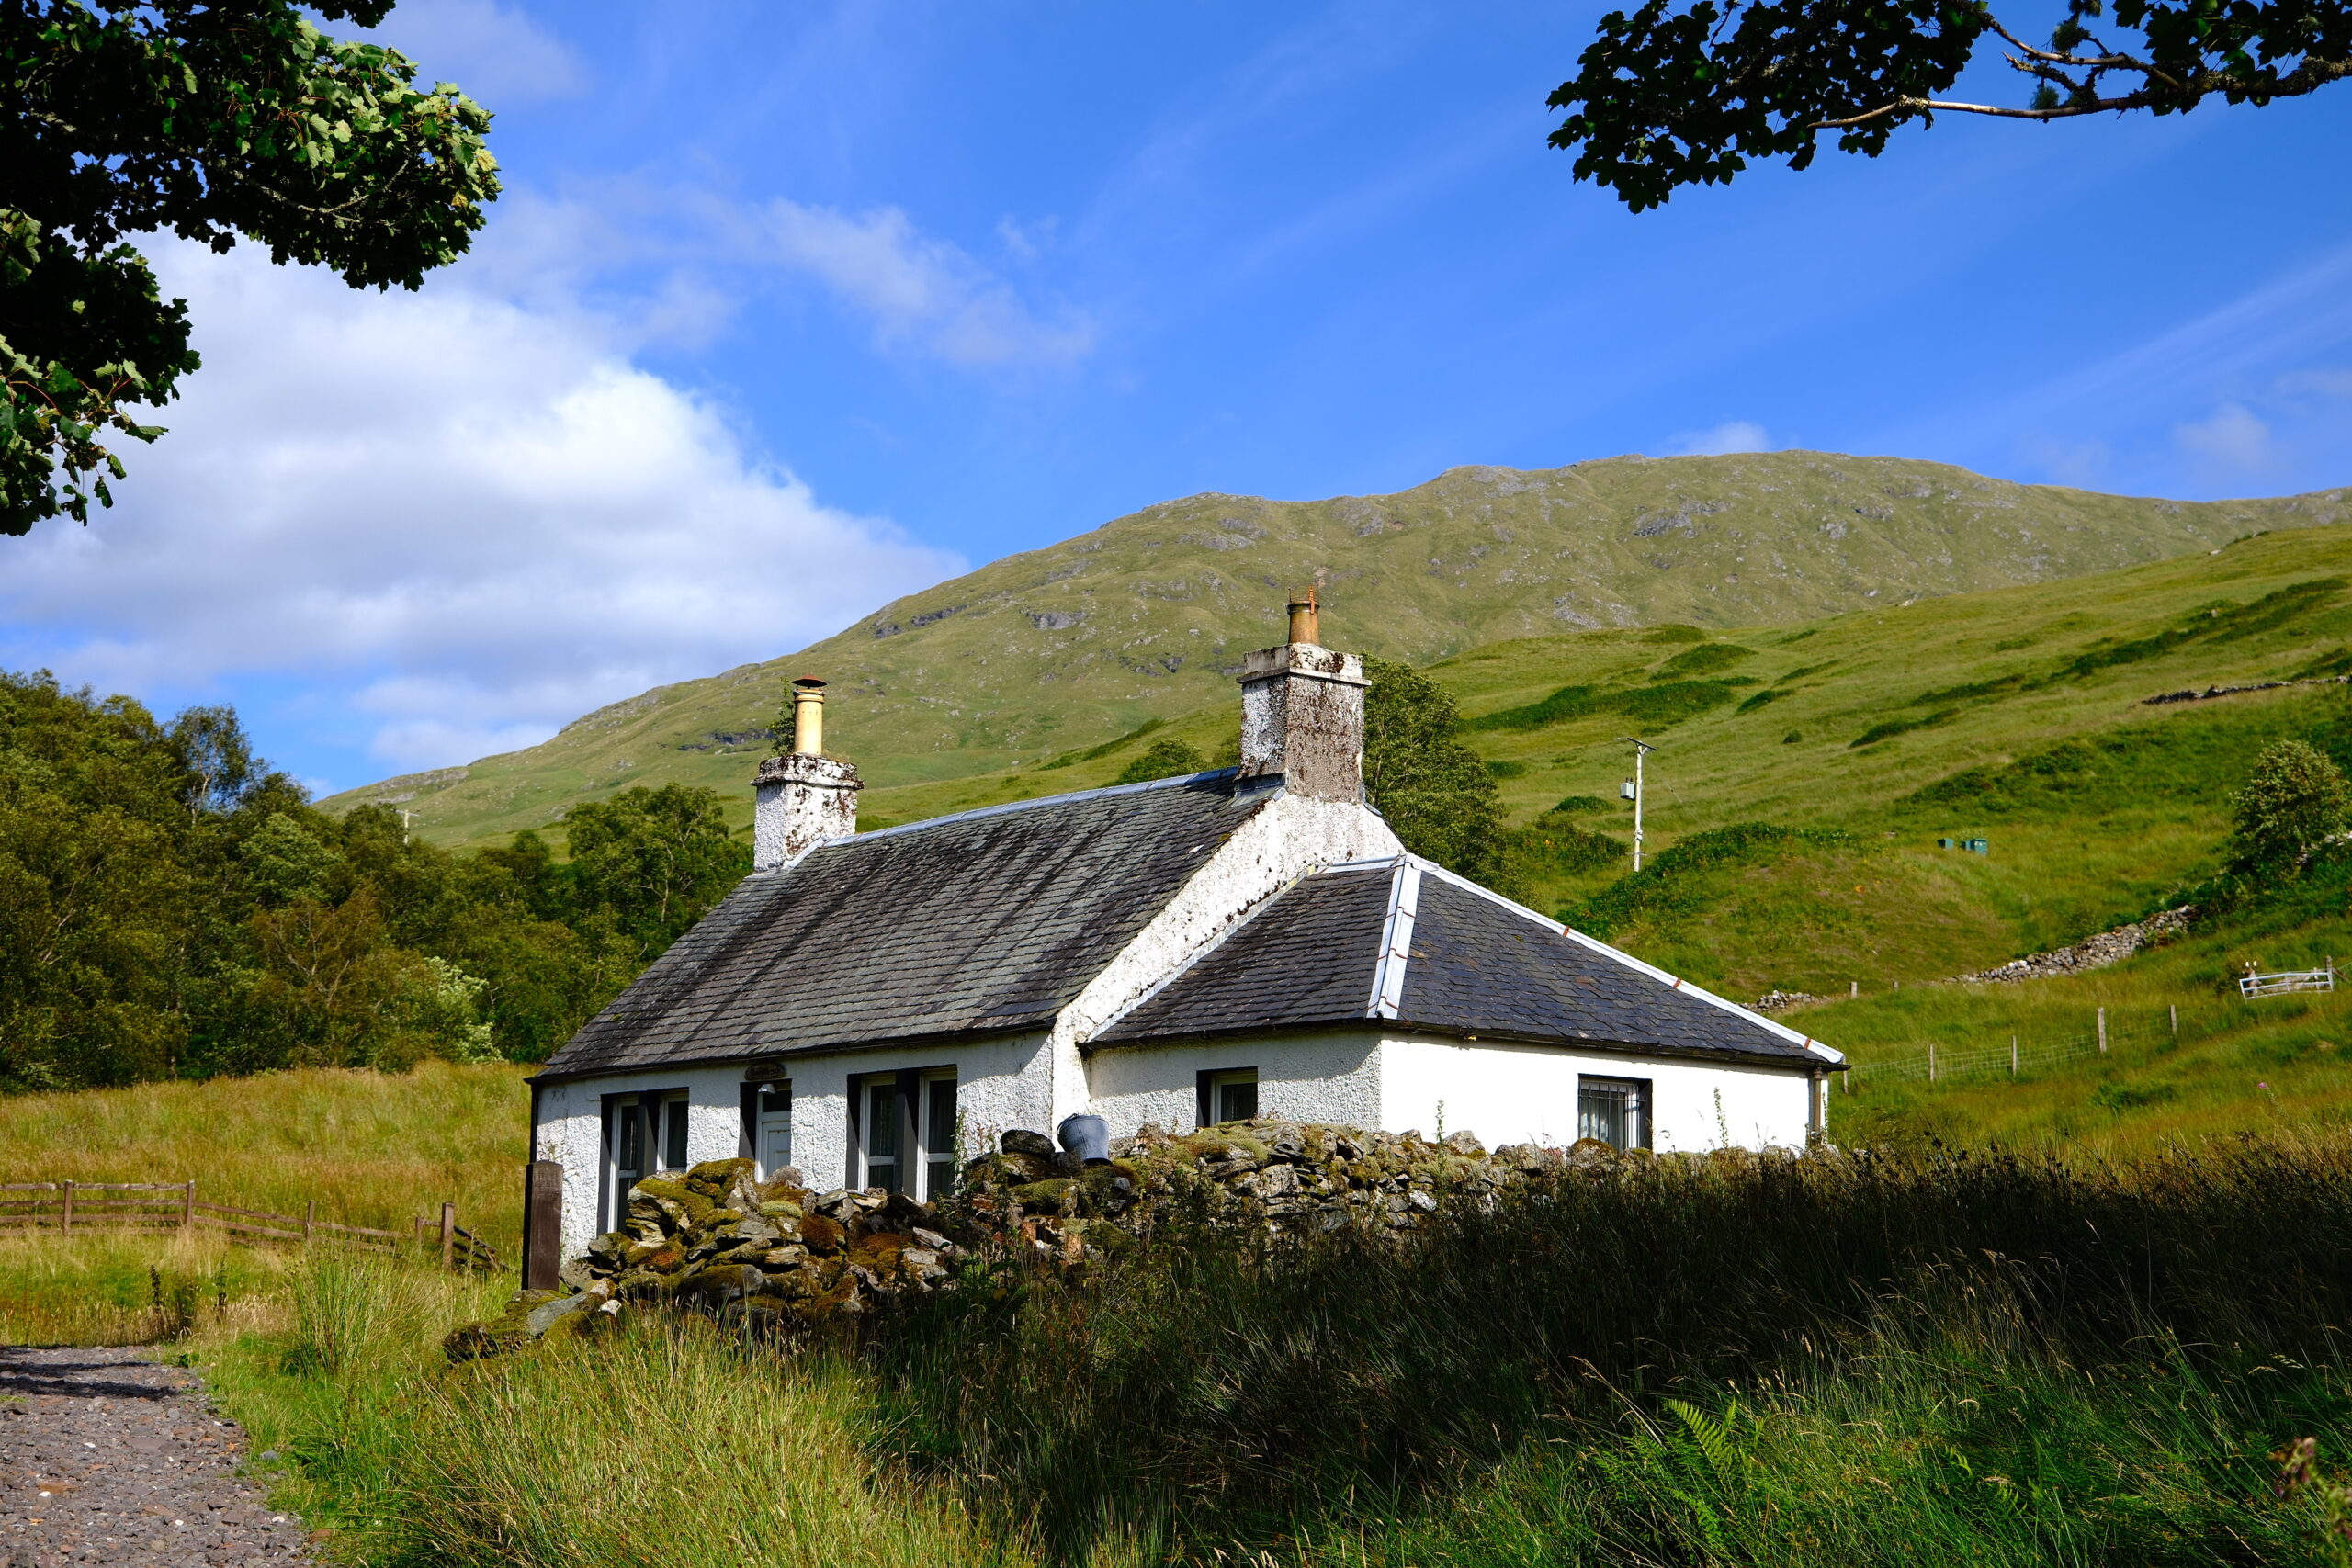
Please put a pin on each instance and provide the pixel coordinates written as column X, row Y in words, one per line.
column 792, row 307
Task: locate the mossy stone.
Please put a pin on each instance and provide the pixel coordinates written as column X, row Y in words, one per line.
column 1046, row 1196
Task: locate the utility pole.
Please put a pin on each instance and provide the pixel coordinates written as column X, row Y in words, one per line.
column 1641, row 750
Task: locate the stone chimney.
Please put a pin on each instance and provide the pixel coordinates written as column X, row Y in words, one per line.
column 804, row 796
column 1302, row 712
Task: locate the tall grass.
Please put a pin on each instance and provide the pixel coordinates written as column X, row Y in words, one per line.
column 1208, row 1400
column 672, row 1443
column 1874, row 1360
column 373, row 1149
column 123, row 1289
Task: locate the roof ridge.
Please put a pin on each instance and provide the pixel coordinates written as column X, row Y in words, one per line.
column 1387, row 999
column 1012, row 806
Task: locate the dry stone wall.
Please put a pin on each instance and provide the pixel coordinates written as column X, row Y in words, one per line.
column 778, row 1256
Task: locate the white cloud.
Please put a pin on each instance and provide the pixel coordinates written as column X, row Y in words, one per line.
column 459, row 521
column 2081, row 464
column 1735, row 435
column 496, row 53
column 923, row 291
column 2234, row 440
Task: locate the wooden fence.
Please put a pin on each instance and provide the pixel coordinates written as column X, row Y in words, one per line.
column 69, row 1206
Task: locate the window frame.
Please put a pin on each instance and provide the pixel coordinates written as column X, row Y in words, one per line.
column 633, row 1116
column 1214, row 1081
column 762, row 1116
column 911, row 1091
column 1636, row 1094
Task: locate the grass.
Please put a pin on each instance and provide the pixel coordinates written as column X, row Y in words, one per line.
column 372, row 1148
column 1836, row 1360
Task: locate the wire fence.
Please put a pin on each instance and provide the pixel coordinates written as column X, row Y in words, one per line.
column 2021, row 1054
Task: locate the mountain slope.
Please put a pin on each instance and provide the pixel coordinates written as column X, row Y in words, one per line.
column 1146, row 617
column 2018, row 715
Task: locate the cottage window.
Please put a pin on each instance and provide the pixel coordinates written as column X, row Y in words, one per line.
column 907, row 1131
column 628, row 1147
column 1229, row 1096
column 882, row 1130
column 939, row 1134
column 643, row 1133
column 1615, row 1110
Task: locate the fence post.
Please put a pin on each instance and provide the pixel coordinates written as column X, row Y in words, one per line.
column 310, row 1220
column 188, row 1205
column 1853, row 988
column 67, row 1218
column 1931, row 1061
column 2013, row 1055
column 542, row 1224
column 448, row 1236
column 2102, row 1029
column 2174, row 1009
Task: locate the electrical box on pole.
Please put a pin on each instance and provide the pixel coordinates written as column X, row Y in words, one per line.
column 1632, row 791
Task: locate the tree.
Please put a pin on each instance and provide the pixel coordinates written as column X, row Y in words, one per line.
column 211, row 119
column 1163, row 760
column 1679, row 93
column 657, row 858
column 1435, row 791
column 2294, row 802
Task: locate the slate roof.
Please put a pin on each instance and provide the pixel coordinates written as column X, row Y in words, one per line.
column 1403, row 940
column 988, row 920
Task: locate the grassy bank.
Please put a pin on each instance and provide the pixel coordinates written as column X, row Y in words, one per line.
column 1732, row 1360
column 372, row 1148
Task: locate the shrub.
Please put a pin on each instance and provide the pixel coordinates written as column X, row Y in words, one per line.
column 2294, row 802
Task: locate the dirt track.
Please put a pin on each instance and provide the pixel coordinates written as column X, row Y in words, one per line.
column 107, row 1456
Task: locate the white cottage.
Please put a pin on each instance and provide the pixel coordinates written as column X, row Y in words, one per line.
column 869, row 1007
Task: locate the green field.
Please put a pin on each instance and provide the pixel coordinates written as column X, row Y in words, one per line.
column 1836, row 1361
column 1146, row 617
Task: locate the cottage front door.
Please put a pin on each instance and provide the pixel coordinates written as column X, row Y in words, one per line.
column 773, row 1147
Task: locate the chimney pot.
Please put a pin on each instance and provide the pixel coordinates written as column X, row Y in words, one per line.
column 1305, row 621
column 807, row 717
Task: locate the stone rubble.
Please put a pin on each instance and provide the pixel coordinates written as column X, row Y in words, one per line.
column 778, row 1256
column 2091, row 952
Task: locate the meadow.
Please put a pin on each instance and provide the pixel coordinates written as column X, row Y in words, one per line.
column 370, row 1148
column 1833, row 1361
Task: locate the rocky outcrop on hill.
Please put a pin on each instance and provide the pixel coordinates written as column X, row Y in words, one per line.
column 777, row 1255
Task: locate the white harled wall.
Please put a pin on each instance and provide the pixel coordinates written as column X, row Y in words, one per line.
column 1330, row 1078
column 1527, row 1094
column 1504, row 1093
column 1000, row 1083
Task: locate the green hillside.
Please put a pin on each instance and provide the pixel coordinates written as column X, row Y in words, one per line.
column 1146, row 617
column 1805, row 774
column 2018, row 716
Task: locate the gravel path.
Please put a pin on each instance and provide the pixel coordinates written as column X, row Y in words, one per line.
column 107, row 1456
